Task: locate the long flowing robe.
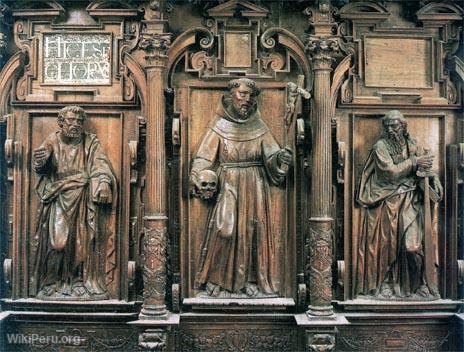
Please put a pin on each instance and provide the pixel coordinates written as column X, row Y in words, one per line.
column 239, row 245
column 70, row 246
column 392, row 221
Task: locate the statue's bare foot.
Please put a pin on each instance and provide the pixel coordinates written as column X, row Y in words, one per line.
column 66, row 289
column 212, row 290
column 79, row 289
column 423, row 291
column 386, row 291
column 251, row 290
column 48, row 290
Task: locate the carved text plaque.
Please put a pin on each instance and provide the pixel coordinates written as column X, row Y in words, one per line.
column 71, row 58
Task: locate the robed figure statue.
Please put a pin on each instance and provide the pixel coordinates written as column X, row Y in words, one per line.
column 76, row 179
column 239, row 159
column 396, row 258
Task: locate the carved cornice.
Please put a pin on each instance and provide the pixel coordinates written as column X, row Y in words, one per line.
column 321, row 51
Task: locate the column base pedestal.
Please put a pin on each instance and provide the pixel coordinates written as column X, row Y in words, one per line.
column 154, row 331
column 153, row 312
column 320, row 331
column 318, row 311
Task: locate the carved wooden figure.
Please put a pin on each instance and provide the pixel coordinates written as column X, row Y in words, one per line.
column 396, row 258
column 238, row 254
column 76, row 181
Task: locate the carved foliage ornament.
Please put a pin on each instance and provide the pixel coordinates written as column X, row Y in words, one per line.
column 322, row 50
column 155, row 45
column 154, row 259
column 236, row 340
column 320, row 269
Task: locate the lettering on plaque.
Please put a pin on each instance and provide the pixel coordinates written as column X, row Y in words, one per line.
column 71, row 58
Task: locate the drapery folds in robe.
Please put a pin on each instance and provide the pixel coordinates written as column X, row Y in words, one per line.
column 390, row 250
column 239, row 246
column 70, row 260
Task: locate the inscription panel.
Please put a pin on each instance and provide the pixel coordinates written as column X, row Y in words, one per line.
column 71, row 58
column 398, row 62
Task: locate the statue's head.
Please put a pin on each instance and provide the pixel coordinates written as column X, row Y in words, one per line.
column 395, row 126
column 71, row 121
column 243, row 93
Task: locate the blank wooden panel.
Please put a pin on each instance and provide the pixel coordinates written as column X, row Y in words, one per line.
column 237, row 52
column 398, row 62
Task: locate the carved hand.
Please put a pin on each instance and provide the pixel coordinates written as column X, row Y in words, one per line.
column 103, row 193
column 424, row 162
column 41, row 155
column 285, row 156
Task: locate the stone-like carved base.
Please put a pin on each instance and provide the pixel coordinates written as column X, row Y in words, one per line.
column 412, row 298
column 240, row 295
column 153, row 340
column 61, row 297
column 320, row 342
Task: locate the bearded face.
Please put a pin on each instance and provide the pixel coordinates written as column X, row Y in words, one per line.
column 72, row 126
column 243, row 101
column 395, row 131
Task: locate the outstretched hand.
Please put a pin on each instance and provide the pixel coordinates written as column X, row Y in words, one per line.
column 40, row 156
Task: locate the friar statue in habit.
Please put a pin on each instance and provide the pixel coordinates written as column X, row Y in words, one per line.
column 392, row 255
column 240, row 160
column 76, row 179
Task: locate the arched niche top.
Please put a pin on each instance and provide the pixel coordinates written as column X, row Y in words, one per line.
column 293, row 44
column 185, row 40
column 442, row 11
column 138, row 74
column 7, row 75
column 111, row 8
column 37, row 8
column 364, row 11
column 269, row 40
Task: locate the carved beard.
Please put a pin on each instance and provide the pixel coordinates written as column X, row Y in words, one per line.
column 70, row 134
column 396, row 142
column 245, row 110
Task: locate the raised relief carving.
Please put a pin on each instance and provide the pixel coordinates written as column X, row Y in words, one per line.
column 76, row 187
column 397, row 242
column 237, row 162
column 233, row 339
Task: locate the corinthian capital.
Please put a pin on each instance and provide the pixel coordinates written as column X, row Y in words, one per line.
column 156, row 46
column 321, row 51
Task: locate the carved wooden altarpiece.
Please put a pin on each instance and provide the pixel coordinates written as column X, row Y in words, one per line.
column 231, row 175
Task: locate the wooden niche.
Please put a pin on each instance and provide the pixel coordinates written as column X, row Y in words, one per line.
column 202, row 62
column 56, row 45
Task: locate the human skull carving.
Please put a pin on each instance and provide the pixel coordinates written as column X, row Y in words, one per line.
column 207, row 184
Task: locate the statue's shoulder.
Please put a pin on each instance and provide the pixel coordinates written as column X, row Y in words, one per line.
column 91, row 137
column 53, row 138
column 380, row 145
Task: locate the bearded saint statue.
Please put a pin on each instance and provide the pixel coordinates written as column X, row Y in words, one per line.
column 76, row 180
column 391, row 256
column 240, row 156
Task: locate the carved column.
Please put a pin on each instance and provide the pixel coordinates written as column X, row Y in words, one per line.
column 321, row 231
column 155, row 219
